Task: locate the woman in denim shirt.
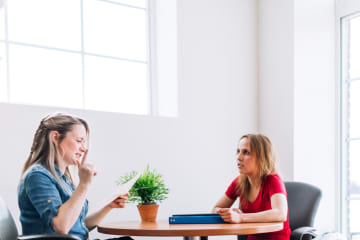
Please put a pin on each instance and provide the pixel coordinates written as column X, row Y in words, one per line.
column 48, row 200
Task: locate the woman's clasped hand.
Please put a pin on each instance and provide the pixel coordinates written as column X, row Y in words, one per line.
column 231, row 215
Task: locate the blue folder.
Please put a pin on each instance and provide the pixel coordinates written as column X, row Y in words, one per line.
column 195, row 218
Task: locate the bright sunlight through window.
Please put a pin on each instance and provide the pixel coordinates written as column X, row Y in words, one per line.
column 87, row 54
column 351, row 124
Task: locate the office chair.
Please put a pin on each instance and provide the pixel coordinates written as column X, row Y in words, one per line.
column 8, row 229
column 303, row 201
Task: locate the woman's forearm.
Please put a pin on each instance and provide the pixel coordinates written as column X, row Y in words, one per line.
column 95, row 218
column 69, row 212
column 272, row 215
column 223, row 202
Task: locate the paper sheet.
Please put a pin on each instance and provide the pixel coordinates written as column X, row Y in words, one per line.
column 121, row 190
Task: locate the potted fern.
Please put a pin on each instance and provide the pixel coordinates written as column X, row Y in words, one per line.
column 148, row 190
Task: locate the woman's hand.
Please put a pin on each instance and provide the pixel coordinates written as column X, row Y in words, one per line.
column 95, row 218
column 119, row 202
column 86, row 170
column 231, row 215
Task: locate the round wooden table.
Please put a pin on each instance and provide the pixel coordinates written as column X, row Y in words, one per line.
column 163, row 228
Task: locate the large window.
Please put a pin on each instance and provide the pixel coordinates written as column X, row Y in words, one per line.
column 350, row 46
column 90, row 54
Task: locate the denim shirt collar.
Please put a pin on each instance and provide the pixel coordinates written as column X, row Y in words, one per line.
column 58, row 171
column 62, row 176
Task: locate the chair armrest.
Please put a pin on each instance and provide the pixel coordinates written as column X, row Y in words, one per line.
column 49, row 237
column 303, row 233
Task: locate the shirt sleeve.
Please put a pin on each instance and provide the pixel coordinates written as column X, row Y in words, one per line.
column 43, row 195
column 231, row 190
column 275, row 185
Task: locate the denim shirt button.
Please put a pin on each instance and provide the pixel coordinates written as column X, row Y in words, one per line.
column 49, row 201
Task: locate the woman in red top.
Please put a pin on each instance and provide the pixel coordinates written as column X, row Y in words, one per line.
column 261, row 191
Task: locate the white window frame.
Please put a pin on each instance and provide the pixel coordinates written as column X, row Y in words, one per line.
column 344, row 10
column 148, row 62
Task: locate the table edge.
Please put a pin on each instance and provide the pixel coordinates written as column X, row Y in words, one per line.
column 275, row 226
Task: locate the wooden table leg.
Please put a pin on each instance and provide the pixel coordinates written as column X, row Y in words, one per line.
column 194, row 238
column 189, row 238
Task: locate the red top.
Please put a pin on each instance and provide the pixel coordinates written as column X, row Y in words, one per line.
column 270, row 186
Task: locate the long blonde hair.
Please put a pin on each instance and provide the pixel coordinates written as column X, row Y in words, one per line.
column 43, row 150
column 261, row 146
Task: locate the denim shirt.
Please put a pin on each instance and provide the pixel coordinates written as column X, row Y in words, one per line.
column 39, row 199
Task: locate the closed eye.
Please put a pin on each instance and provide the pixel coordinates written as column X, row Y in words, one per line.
column 81, row 140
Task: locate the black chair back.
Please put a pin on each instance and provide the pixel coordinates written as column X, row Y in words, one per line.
column 8, row 229
column 303, row 202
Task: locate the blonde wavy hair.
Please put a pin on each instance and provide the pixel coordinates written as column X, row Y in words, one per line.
column 43, row 150
column 264, row 154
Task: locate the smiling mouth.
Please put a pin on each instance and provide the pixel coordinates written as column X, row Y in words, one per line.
column 78, row 155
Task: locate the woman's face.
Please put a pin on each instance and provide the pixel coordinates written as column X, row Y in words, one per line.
column 246, row 160
column 73, row 146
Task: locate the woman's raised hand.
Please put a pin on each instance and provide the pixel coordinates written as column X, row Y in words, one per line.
column 86, row 170
column 231, row 215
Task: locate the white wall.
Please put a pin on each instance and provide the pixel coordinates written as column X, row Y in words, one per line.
column 315, row 103
column 297, row 93
column 217, row 96
column 276, row 71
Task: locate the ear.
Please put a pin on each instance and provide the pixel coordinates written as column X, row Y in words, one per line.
column 54, row 136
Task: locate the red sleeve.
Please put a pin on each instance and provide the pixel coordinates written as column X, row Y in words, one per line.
column 231, row 190
column 275, row 185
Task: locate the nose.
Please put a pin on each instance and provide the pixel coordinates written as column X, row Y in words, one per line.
column 82, row 148
column 239, row 157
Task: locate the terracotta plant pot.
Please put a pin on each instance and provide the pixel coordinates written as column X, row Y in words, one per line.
column 148, row 213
